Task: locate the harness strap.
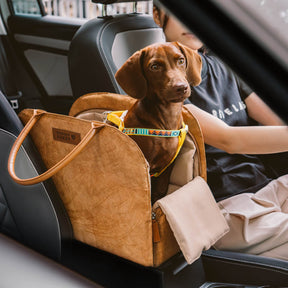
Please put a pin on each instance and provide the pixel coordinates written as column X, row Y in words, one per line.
column 117, row 117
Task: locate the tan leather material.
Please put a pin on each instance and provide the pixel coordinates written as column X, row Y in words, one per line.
column 62, row 136
column 191, row 156
column 167, row 246
column 92, row 105
column 106, row 195
column 106, row 188
column 101, row 100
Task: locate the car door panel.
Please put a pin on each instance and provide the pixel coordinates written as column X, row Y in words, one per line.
column 44, row 42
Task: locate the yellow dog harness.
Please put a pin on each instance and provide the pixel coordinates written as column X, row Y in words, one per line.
column 117, row 117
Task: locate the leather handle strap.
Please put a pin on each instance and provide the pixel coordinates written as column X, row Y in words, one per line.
column 58, row 166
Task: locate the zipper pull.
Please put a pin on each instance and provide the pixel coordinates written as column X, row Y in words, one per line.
column 155, row 229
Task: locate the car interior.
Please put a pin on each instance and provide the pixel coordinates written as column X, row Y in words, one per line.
column 104, row 44
column 35, row 215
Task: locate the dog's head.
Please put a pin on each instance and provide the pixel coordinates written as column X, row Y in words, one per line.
column 166, row 70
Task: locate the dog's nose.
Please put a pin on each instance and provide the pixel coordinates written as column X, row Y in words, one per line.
column 181, row 88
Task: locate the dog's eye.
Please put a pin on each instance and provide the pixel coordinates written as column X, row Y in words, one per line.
column 155, row 67
column 181, row 61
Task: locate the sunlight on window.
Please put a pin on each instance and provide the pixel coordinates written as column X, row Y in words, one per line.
column 272, row 13
column 29, row 7
column 87, row 9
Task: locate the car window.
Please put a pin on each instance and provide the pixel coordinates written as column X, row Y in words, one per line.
column 266, row 20
column 272, row 13
column 86, row 9
column 26, row 7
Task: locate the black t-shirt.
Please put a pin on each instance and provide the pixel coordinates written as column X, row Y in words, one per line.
column 222, row 94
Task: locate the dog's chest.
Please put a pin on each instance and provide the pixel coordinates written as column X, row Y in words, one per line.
column 159, row 151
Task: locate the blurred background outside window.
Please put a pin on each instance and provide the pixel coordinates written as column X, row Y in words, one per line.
column 77, row 8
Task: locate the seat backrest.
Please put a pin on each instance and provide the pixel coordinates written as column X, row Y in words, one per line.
column 102, row 45
column 33, row 215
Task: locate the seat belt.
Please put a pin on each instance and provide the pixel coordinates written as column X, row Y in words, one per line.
column 7, row 81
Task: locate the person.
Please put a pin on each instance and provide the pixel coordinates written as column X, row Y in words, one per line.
column 252, row 196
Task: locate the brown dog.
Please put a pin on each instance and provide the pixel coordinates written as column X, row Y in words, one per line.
column 159, row 76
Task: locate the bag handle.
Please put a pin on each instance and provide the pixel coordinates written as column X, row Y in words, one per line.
column 58, row 166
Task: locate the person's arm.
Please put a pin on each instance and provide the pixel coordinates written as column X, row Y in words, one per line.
column 261, row 112
column 240, row 140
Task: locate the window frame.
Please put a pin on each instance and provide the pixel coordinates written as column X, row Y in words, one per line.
column 40, row 5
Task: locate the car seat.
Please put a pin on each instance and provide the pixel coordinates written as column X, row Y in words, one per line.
column 103, row 44
column 33, row 215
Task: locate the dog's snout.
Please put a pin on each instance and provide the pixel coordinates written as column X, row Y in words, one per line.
column 181, row 88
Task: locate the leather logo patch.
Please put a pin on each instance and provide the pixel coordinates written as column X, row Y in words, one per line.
column 66, row 136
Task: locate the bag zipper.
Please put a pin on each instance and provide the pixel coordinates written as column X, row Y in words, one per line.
column 155, row 229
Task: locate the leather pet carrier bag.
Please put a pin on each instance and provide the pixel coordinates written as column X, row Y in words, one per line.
column 104, row 182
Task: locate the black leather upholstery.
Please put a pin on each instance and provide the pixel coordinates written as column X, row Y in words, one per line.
column 9, row 120
column 233, row 267
column 93, row 58
column 33, row 215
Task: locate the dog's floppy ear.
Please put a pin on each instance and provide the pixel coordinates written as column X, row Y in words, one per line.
column 194, row 64
column 130, row 76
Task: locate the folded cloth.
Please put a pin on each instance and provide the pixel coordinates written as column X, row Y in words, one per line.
column 194, row 218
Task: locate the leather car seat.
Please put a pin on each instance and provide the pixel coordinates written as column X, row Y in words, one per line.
column 103, row 44
column 33, row 215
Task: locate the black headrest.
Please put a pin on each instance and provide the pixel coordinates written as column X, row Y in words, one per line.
column 115, row 1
